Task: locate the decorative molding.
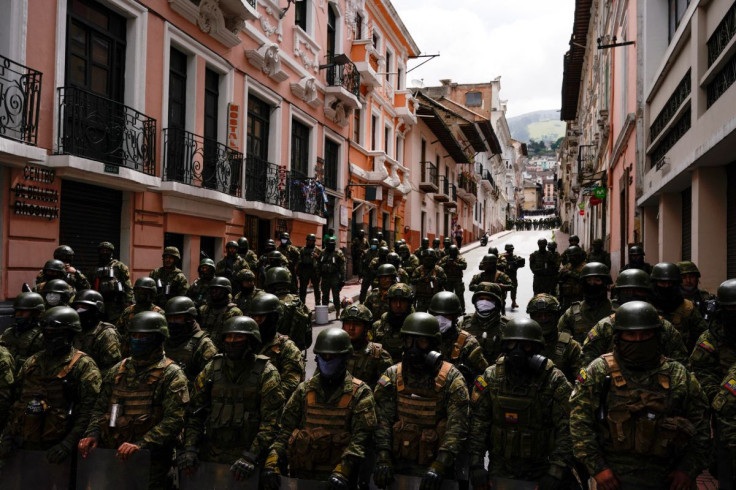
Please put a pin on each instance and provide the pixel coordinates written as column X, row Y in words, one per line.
column 306, row 90
column 221, row 19
column 274, row 12
column 267, row 58
column 337, row 110
column 306, row 50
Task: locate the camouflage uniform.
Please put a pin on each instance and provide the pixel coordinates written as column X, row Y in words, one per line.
column 287, row 359
column 251, row 258
column 127, row 316
column 172, row 283
column 499, row 278
column 711, row 358
column 544, row 266
column 7, row 380
column 192, row 353
column 369, row 363
column 454, row 268
column 410, row 264
column 723, row 407
column 22, row 345
column 688, row 321
column 113, row 282
column 523, row 422
column 198, row 291
column 237, row 406
column 244, row 301
column 461, row 349
column 427, row 283
column 211, row 318
column 292, row 255
column 487, row 332
column 307, row 268
column 332, row 273
column 377, row 302
column 571, row 289
column 358, row 246
column 663, row 428
column 76, row 280
column 599, row 341
column 228, row 267
column 389, row 335
column 581, row 316
column 513, row 264
column 599, row 256
column 365, row 269
column 565, row 352
column 295, row 320
column 102, row 343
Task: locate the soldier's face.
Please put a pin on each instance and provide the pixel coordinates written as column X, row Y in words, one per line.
column 230, row 338
column 422, row 343
column 385, row 282
column 354, row 328
column 231, row 251
column 169, row 261
column 206, row 272
column 398, row 305
column 259, row 319
column 689, row 280
column 637, row 335
column 23, row 313
column 594, row 281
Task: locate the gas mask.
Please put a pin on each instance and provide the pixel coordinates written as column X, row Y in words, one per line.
column 143, row 297
column 217, row 296
column 104, row 257
column 625, row 295
column 56, row 343
column 594, row 292
column 639, row 355
column 206, row 272
column 521, row 361
column 237, row 351
column 419, row 360
column 179, row 331
column 268, row 327
column 143, row 347
column 24, row 324
column 332, row 370
column 88, row 318
column 484, row 307
column 53, row 299
column 330, row 247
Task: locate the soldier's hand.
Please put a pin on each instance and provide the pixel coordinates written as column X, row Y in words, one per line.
column 126, row 450
column 549, row 482
column 86, row 445
column 187, row 460
column 606, row 480
column 431, row 480
column 337, row 481
column 479, row 478
column 383, row 474
column 680, row 481
column 59, row 453
column 243, row 468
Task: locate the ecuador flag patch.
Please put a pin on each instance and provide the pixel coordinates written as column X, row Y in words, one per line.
column 512, row 418
column 582, row 375
column 480, row 383
column 730, row 385
column 706, row 346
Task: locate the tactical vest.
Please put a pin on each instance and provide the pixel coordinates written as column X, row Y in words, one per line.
column 580, row 327
column 418, row 433
column 44, row 410
column 640, row 420
column 427, row 289
column 183, row 354
column 457, row 347
column 106, row 281
column 521, row 427
column 211, row 319
column 89, row 341
column 682, row 314
column 21, row 345
column 362, row 365
column 328, row 263
column 453, row 270
column 306, row 260
column 198, row 290
column 563, row 341
column 139, row 412
column 235, row 414
column 273, row 352
column 391, row 341
column 326, row 433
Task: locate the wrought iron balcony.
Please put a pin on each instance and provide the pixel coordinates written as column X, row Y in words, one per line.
column 20, row 93
column 467, row 184
column 451, row 196
column 306, row 194
column 202, row 162
column 97, row 128
column 428, row 182
column 344, row 76
column 443, row 189
column 265, row 182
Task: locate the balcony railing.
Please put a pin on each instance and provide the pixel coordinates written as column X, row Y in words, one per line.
column 345, row 76
column 442, row 194
column 97, row 128
column 202, row 162
column 452, row 196
column 467, row 184
column 306, row 194
column 20, row 93
column 265, row 182
column 428, row 182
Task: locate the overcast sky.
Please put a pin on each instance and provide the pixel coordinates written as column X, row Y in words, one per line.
column 522, row 41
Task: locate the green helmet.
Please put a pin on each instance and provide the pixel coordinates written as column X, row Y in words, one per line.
column 687, row 267
column 333, row 340
column 425, row 242
column 428, row 254
column 386, row 270
column 57, row 286
column 286, row 235
column 488, row 289
column 63, row 251
column 245, row 275
column 333, row 241
column 61, row 318
column 596, row 269
column 207, row 263
column 241, row 324
column 489, row 259
column 436, row 242
column 383, row 252
column 633, row 279
column 243, row 244
column 146, row 283
column 493, row 251
column 636, row 250
column 149, row 322
column 445, row 303
column 221, row 282
column 374, row 241
column 270, row 244
column 574, row 251
column 106, row 246
column 357, row 312
column 509, row 247
column 636, row 315
column 573, row 238
column 311, row 237
column 278, row 276
column 394, row 259
column 263, row 304
column 400, row 291
column 275, row 256
column 598, row 242
column 523, row 329
column 543, row 303
column 453, row 251
column 726, row 294
column 421, row 324
column 665, row 271
column 54, row 265
column 180, row 305
column 172, row 251
column 231, row 243
column 91, row 299
column 29, row 301
column 447, row 241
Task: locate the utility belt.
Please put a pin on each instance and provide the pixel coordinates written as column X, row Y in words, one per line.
column 647, row 434
column 512, row 442
column 316, row 449
column 37, row 422
column 128, row 428
column 417, row 443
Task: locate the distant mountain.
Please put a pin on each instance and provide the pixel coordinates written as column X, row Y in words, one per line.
column 537, row 125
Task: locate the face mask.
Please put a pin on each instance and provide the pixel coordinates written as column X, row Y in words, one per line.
column 179, row 329
column 207, row 273
column 640, row 355
column 218, row 296
column 373, row 247
column 517, row 358
column 331, row 247
column 284, row 241
column 594, row 291
column 268, row 327
column 236, row 351
column 142, row 297
column 484, row 307
column 248, row 291
column 24, row 324
column 53, row 299
column 141, row 348
column 332, row 368
column 56, row 344
column 625, row 296
column 445, row 324
column 88, row 318
column 104, row 259
column 490, row 270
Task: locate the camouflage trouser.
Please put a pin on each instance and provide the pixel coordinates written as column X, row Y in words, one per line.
column 331, row 283
column 364, row 288
column 515, row 283
column 458, row 287
column 304, row 279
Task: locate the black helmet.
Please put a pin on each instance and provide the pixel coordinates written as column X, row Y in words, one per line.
column 421, row 324
column 509, row 247
column 552, row 246
column 180, row 305
column 331, row 240
column 633, row 279
column 63, row 251
column 278, row 276
column 146, row 283
column 636, row 315
column 333, row 340
column 285, row 234
column 57, row 286
column 275, row 257
column 542, row 242
column 29, row 301
column 270, row 244
column 596, row 269
column 543, row 303
column 231, row 243
column 574, row 251
column 243, row 244
column 106, row 246
column 429, row 254
column 573, row 238
column 493, row 251
column 55, row 266
column 386, row 270
column 61, row 318
column 245, row 275
column 357, row 312
column 447, row 241
column 489, row 259
column 374, row 241
column 91, row 299
column 400, row 291
column 265, row 303
column 598, row 242
column 488, row 289
column 523, row 329
column 311, row 237
column 425, row 242
column 221, row 282
column 726, row 294
column 383, row 252
column 379, row 236
column 241, row 324
column 436, row 242
column 445, row 303
column 636, row 250
column 149, row 322
column 453, row 251
column 665, row 271
column 394, row 259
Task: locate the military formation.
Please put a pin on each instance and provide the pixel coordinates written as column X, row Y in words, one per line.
column 618, row 384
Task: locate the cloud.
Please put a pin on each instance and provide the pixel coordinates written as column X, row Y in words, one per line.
column 522, row 41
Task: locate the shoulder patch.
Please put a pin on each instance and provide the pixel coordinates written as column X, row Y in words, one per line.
column 730, row 385
column 582, row 375
column 480, row 383
column 593, row 333
column 706, row 346
column 384, row 380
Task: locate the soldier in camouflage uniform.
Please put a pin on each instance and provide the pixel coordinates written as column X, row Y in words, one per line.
column 701, row 298
column 487, row 323
column 198, row 290
column 53, row 270
column 218, row 308
column 458, row 346
column 597, row 254
column 428, row 280
column 263, row 263
column 280, row 349
column 369, row 360
column 723, row 408
column 292, row 255
column 631, row 285
column 454, row 264
column 170, row 280
column 55, row 390
column 332, row 272
column 307, row 268
column 231, row 263
column 112, row 280
column 377, row 302
column 572, row 241
column 145, row 292
column 571, row 288
column 490, row 273
column 56, row 292
column 381, row 241
column 638, row 419
column 98, row 339
column 681, row 312
column 244, row 251
column 236, row 402
column 394, row 259
column 420, row 398
column 544, row 266
column 7, row 380
column 436, row 246
column 520, row 414
column 23, row 337
column 513, row 264
column 370, row 254
column 378, row 261
column 387, row 330
column 295, row 319
column 248, row 290
column 151, row 393
column 358, row 246
column 327, row 421
column 636, row 260
column 423, row 246
column 559, row 347
column 446, row 243
column 187, row 344
column 71, row 275
column 409, row 261
column 580, row 317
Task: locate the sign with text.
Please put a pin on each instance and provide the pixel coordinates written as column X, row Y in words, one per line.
column 233, row 126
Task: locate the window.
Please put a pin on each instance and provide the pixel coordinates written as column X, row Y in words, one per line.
column 374, row 133
column 300, row 14
column 332, row 154
column 676, row 10
column 400, row 79
column 386, row 139
column 473, row 99
column 259, row 115
column 358, row 26
column 177, row 115
column 356, row 126
column 423, row 151
column 299, row 148
column 331, row 39
column 211, row 119
column 376, row 40
column 388, row 66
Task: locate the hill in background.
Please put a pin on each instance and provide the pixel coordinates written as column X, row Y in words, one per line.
column 538, row 125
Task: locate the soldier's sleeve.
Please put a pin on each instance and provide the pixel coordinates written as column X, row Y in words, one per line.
column 474, row 354
column 197, row 409
column 565, row 323
column 697, row 327
column 174, row 401
column 441, row 277
column 481, row 414
column 573, row 360
column 473, row 282
column 458, row 402
column 675, row 346
column 697, row 454
column 290, row 419
column 124, row 278
column 704, row 364
column 362, row 425
column 205, row 352
column 7, row 368
column 385, row 361
column 724, row 409
column 561, row 455
column 82, row 281
column 292, row 368
column 385, row 398
column 416, row 276
column 584, row 404
column 232, row 313
column 272, row 401
column 110, row 353
column 182, row 285
column 597, row 342
column 101, row 404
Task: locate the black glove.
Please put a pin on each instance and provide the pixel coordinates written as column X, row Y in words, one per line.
column 337, row 482
column 59, row 453
column 187, row 459
column 431, row 480
column 270, row 479
column 479, row 478
column 383, row 474
column 549, row 482
column 243, row 468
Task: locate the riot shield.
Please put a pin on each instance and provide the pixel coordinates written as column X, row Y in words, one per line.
column 298, row 484
column 29, row 469
column 406, row 482
column 215, row 476
column 507, row 484
column 101, row 469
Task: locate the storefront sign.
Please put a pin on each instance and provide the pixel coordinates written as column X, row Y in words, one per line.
column 595, row 201
column 582, row 212
column 37, row 174
column 343, row 216
column 112, row 169
column 390, row 198
column 233, row 125
column 600, row 192
column 40, row 194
